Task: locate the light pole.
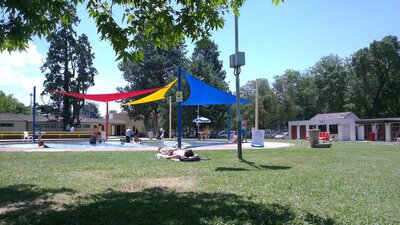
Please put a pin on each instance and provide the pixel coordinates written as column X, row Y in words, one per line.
column 198, row 115
column 198, row 110
column 236, row 61
column 34, row 115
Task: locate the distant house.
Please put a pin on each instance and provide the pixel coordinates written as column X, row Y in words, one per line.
column 119, row 129
column 346, row 126
column 19, row 123
column 11, row 122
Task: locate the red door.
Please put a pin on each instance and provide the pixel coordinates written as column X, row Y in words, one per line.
column 293, row 131
column 303, row 133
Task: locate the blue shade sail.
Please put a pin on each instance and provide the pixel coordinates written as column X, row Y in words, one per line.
column 204, row 94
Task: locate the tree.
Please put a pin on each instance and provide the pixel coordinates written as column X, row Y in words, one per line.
column 306, row 97
column 163, row 23
column 375, row 79
column 9, row 104
column 330, row 76
column 209, row 54
column 286, row 89
column 91, row 110
column 69, row 68
column 158, row 68
column 205, row 65
column 267, row 110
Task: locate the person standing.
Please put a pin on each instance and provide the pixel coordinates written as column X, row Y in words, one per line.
column 243, row 129
column 160, row 137
column 128, row 134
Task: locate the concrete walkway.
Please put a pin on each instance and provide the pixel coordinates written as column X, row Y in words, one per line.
column 231, row 146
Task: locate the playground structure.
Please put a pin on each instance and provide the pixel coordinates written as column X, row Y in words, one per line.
column 201, row 94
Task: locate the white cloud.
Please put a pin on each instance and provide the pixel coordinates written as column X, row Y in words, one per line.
column 19, row 59
column 20, row 71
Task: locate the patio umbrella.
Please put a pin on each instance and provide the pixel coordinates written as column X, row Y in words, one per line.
column 201, row 120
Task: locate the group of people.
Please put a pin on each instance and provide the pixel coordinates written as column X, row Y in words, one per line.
column 70, row 128
column 97, row 134
column 131, row 136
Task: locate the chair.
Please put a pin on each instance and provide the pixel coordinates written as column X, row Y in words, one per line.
column 26, row 137
column 324, row 136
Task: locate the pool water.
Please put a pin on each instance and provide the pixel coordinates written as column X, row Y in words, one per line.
column 110, row 145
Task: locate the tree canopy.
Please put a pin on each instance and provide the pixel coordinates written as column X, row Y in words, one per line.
column 163, row 23
column 375, row 79
column 158, row 68
column 9, row 104
column 365, row 83
column 69, row 68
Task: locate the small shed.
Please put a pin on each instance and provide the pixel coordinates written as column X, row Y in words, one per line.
column 341, row 126
column 346, row 126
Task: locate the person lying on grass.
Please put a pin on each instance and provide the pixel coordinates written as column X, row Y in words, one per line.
column 176, row 153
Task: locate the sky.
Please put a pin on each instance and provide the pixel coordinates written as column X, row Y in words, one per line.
column 294, row 35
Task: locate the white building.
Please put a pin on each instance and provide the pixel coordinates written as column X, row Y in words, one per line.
column 346, row 126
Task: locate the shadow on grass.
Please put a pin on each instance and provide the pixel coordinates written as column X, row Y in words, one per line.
column 230, row 169
column 250, row 163
column 27, row 193
column 24, row 199
column 254, row 165
column 275, row 167
column 163, row 206
column 312, row 219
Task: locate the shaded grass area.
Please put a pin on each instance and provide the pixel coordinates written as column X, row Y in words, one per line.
column 352, row 183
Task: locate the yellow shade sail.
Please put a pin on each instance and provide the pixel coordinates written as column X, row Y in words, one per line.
column 158, row 95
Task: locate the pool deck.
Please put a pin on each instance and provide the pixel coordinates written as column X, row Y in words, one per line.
column 228, row 146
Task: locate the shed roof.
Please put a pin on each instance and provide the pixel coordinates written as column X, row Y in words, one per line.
column 334, row 116
column 38, row 118
column 9, row 117
column 379, row 120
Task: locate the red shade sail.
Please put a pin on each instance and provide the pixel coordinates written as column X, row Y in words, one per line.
column 109, row 97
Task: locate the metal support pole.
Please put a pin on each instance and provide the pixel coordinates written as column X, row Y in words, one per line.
column 237, row 72
column 198, row 124
column 34, row 116
column 107, row 120
column 256, row 107
column 179, row 110
column 229, row 123
column 170, row 116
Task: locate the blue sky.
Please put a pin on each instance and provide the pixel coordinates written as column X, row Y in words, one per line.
column 294, row 35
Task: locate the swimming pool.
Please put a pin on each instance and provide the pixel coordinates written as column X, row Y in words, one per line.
column 110, row 145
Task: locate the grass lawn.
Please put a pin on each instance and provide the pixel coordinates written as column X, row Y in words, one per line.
column 352, row 183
